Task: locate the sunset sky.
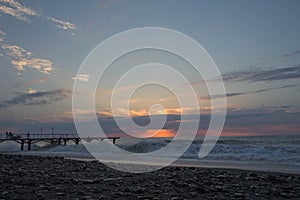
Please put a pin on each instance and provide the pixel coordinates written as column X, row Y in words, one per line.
column 255, row 44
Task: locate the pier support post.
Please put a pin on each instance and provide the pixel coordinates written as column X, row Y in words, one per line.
column 29, row 145
column 114, row 140
column 77, row 141
column 22, row 145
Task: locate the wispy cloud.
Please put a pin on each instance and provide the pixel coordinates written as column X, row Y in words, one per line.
column 32, row 97
column 2, row 34
column 15, row 51
column 82, row 77
column 217, row 96
column 42, row 65
column 21, row 58
column 295, row 53
column 21, row 12
column 121, row 112
column 259, row 74
column 17, row 10
column 31, row 90
column 242, row 121
column 63, row 24
column 275, row 120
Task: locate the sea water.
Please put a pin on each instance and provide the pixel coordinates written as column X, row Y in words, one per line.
column 266, row 153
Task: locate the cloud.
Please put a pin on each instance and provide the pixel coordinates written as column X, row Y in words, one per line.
column 217, row 96
column 259, row 74
column 271, row 120
column 63, row 24
column 2, row 33
column 31, row 90
column 276, row 120
column 295, row 53
column 42, row 65
column 36, row 98
column 17, row 10
column 15, row 51
column 82, row 77
column 262, row 121
column 22, row 58
column 21, row 12
column 260, row 110
column 121, row 112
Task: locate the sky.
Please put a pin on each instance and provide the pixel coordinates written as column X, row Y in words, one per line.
column 255, row 45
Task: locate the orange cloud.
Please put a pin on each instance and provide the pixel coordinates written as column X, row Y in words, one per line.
column 138, row 113
column 154, row 133
column 165, row 133
column 121, row 112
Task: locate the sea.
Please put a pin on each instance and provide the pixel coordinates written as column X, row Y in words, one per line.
column 260, row 153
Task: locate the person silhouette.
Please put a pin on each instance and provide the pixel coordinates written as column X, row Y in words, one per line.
column 10, row 135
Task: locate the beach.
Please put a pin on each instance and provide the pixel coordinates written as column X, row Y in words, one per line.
column 40, row 177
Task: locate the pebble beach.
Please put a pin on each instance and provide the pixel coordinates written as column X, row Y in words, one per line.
column 37, row 177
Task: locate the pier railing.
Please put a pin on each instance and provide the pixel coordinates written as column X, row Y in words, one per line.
column 53, row 138
column 38, row 136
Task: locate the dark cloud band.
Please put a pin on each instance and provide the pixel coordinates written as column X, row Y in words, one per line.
column 37, row 98
column 259, row 74
column 244, row 93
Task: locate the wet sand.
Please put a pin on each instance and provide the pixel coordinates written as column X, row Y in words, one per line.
column 37, row 177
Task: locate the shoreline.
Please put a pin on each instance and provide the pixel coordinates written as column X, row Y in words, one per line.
column 209, row 164
column 38, row 177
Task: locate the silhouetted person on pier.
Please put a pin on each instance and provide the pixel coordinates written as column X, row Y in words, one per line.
column 10, row 135
column 28, row 135
column 6, row 134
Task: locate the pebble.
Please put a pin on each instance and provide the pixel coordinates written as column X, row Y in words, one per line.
column 5, row 193
column 238, row 194
column 102, row 197
column 60, row 194
column 112, row 179
column 193, row 194
column 81, row 193
column 27, row 177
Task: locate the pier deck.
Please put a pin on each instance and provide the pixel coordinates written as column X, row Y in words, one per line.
column 30, row 139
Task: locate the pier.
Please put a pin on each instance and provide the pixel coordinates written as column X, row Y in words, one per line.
column 29, row 139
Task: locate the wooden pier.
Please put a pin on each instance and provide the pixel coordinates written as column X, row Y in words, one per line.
column 30, row 139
